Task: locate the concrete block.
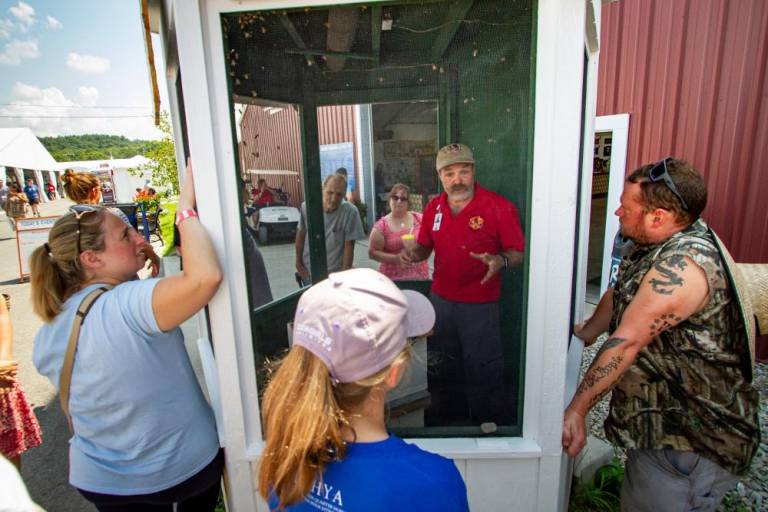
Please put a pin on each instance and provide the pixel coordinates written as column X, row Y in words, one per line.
column 595, row 454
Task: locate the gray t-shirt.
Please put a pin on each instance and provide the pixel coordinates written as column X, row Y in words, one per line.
column 3, row 196
column 341, row 225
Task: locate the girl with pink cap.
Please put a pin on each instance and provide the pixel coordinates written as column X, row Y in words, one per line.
column 324, row 410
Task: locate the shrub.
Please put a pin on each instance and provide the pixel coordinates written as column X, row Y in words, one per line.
column 603, row 493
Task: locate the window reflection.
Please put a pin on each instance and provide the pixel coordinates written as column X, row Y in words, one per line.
column 371, row 107
column 403, row 142
column 270, row 162
column 343, row 228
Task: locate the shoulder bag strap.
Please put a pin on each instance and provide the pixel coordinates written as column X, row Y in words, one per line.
column 65, row 377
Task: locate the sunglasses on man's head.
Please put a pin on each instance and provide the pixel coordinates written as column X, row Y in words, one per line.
column 659, row 172
column 399, row 199
column 79, row 210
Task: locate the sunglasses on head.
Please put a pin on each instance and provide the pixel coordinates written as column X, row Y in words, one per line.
column 79, row 210
column 399, row 199
column 659, row 172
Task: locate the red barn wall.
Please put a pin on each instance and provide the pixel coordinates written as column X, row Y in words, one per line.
column 692, row 76
column 273, row 141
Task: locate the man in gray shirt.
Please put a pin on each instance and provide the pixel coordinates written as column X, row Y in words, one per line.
column 342, row 228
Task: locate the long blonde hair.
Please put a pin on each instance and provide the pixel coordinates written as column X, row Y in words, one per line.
column 304, row 415
column 79, row 185
column 56, row 272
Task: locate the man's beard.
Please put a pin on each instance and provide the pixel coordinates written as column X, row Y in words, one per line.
column 460, row 192
column 637, row 238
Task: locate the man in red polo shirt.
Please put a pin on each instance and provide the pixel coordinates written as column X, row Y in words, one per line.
column 475, row 234
column 263, row 195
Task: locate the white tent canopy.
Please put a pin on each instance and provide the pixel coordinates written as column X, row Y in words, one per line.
column 20, row 148
column 95, row 165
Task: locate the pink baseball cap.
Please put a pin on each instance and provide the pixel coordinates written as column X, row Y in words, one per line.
column 357, row 322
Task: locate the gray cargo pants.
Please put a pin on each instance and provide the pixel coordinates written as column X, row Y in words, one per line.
column 661, row 480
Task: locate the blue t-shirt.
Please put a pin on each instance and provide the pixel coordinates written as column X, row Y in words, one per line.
column 32, row 193
column 385, row 476
column 141, row 422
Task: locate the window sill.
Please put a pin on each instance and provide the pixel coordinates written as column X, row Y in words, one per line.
column 481, row 447
column 458, row 448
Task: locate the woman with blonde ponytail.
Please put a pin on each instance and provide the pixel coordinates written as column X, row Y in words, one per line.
column 85, row 188
column 143, row 435
column 327, row 446
column 82, row 187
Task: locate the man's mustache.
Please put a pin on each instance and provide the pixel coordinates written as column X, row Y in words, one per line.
column 458, row 188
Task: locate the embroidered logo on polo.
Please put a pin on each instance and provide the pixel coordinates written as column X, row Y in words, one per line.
column 476, row 222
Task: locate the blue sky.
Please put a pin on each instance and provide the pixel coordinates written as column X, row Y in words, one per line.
column 82, row 61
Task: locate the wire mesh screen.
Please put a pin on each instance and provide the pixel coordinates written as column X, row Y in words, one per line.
column 372, row 91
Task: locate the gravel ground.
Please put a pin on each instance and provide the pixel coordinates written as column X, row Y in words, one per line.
column 752, row 492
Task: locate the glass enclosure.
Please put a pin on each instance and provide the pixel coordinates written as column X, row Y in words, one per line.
column 370, row 92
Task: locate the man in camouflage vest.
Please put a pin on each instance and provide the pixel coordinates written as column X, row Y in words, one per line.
column 677, row 356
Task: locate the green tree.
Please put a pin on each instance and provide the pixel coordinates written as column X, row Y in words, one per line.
column 94, row 147
column 162, row 159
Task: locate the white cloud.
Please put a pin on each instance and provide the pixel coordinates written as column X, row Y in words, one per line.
column 6, row 27
column 16, row 51
column 87, row 63
column 21, row 19
column 30, row 94
column 25, row 13
column 88, row 95
column 48, row 112
column 53, row 23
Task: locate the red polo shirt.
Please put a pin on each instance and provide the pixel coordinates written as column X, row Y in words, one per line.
column 265, row 199
column 489, row 223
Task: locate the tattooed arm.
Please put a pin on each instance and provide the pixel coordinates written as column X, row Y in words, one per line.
column 599, row 321
column 673, row 290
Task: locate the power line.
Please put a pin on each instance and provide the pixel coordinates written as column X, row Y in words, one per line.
column 77, row 117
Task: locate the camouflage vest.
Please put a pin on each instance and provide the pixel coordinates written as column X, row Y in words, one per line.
column 686, row 390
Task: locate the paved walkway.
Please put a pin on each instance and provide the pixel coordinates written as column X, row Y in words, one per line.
column 44, row 469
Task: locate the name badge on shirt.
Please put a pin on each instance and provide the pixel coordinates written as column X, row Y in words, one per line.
column 438, row 220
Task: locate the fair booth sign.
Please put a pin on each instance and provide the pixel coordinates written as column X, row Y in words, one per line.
column 30, row 234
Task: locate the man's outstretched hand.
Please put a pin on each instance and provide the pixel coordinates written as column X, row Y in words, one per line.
column 495, row 263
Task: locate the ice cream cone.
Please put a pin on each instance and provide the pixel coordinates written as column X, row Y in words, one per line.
column 409, row 241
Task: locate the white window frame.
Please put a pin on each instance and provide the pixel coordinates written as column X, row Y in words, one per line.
column 559, row 62
column 618, row 126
